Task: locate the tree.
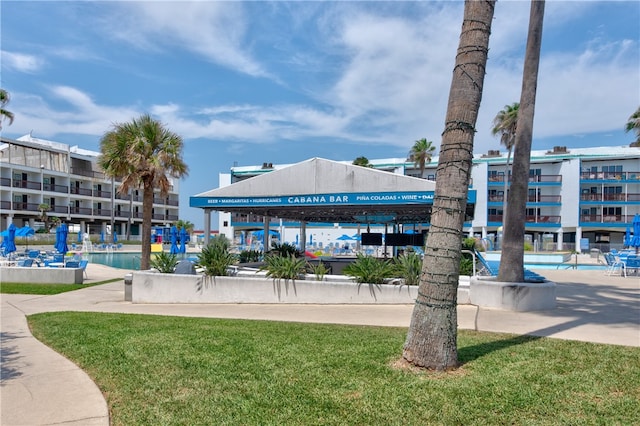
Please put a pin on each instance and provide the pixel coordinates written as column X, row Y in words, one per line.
column 142, row 154
column 505, row 125
column 362, row 161
column 512, row 258
column 432, row 338
column 185, row 224
column 4, row 113
column 634, row 125
column 421, row 153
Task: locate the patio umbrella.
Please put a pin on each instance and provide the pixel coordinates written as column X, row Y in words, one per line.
column 627, row 238
column 25, row 231
column 635, row 241
column 79, row 236
column 102, row 236
column 183, row 240
column 115, row 238
column 174, row 240
column 9, row 242
column 344, row 237
column 61, row 246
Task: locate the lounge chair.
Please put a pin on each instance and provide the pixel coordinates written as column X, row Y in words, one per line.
column 632, row 263
column 493, row 267
column 25, row 263
column 83, row 264
column 614, row 265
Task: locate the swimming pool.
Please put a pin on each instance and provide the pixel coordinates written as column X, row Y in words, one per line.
column 132, row 261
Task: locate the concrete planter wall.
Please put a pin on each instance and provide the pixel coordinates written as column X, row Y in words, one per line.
column 16, row 274
column 485, row 292
column 150, row 287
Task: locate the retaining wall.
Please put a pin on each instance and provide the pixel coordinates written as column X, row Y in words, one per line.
column 17, row 274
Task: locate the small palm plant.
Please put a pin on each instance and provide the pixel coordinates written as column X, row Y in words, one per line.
column 165, row 263
column 368, row 269
column 408, row 267
column 215, row 258
column 284, row 267
column 319, row 270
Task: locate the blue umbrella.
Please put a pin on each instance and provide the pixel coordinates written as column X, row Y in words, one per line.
column 62, row 242
column 627, row 237
column 25, row 231
column 115, row 238
column 174, row 240
column 9, row 242
column 343, row 237
column 635, row 241
column 183, row 240
column 102, row 236
column 79, row 236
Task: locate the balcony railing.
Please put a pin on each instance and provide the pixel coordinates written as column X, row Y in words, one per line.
column 5, row 181
column 5, row 205
column 119, row 196
column 27, row 184
column 609, row 197
column 63, row 189
column 101, row 194
column 87, row 211
column 81, row 191
column 606, row 218
column 530, row 199
column 532, row 178
column 29, row 207
column 102, row 212
column 552, row 219
column 60, row 209
column 632, row 176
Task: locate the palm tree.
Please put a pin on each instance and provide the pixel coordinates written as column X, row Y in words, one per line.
column 634, row 125
column 421, row 153
column 432, row 338
column 142, row 154
column 186, row 225
column 5, row 114
column 512, row 260
column 505, row 125
column 362, row 161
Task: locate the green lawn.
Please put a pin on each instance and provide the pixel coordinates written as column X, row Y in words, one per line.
column 46, row 289
column 190, row 371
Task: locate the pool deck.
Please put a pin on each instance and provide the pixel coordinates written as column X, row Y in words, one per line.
column 39, row 386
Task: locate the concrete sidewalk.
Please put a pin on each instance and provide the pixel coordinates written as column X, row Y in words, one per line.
column 40, row 387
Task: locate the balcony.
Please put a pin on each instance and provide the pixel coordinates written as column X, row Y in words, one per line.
column 544, row 179
column 606, row 218
column 60, row 209
column 102, row 212
column 5, row 181
column 87, row 211
column 27, row 184
column 62, row 189
column 602, row 197
column 609, row 176
column 541, row 219
column 101, row 194
column 556, row 199
column 81, row 191
column 29, row 207
column 5, row 205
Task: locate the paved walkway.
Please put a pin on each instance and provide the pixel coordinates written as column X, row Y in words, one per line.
column 40, row 387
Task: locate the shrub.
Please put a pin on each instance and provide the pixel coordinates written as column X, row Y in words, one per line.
column 528, row 246
column 215, row 257
column 285, row 249
column 164, row 262
column 283, row 267
column 246, row 256
column 408, row 266
column 319, row 270
column 368, row 269
column 466, row 265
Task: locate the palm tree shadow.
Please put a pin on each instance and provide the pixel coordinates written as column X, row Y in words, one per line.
column 9, row 356
column 468, row 354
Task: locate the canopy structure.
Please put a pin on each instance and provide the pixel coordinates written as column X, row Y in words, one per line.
column 319, row 190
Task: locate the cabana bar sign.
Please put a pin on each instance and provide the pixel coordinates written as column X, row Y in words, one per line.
column 362, row 198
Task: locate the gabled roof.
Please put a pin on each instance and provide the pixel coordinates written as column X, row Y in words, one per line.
column 320, row 190
column 320, row 176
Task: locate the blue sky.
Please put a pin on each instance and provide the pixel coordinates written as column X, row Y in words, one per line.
column 251, row 82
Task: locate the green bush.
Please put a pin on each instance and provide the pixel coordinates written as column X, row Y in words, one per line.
column 368, row 269
column 164, row 262
column 466, row 265
column 408, row 266
column 319, row 270
column 246, row 256
column 285, row 249
column 528, row 246
column 284, row 267
column 215, row 257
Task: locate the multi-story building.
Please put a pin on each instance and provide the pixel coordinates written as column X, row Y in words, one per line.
column 576, row 196
column 68, row 180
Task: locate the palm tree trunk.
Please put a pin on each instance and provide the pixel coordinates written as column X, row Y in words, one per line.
column 147, row 215
column 512, row 258
column 432, row 338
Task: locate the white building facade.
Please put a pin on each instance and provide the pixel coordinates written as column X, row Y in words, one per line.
column 68, row 180
column 579, row 198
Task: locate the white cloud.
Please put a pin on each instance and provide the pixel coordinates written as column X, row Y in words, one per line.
column 22, row 62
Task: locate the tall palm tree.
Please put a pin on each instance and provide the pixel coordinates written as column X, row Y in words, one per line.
column 421, row 153
column 505, row 125
column 432, row 338
column 512, row 260
column 186, row 225
column 362, row 161
column 634, row 125
column 4, row 113
column 142, row 154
